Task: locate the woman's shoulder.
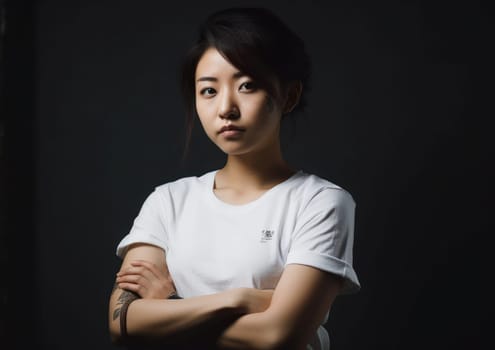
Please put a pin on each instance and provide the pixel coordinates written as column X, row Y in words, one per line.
column 311, row 185
column 316, row 182
column 186, row 184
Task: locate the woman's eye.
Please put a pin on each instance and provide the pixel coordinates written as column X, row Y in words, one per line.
column 207, row 91
column 247, row 86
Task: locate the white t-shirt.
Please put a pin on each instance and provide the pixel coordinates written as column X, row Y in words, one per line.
column 212, row 246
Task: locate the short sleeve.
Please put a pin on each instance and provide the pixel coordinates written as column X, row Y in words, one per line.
column 148, row 226
column 324, row 236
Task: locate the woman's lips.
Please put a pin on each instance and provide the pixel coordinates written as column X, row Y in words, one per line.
column 231, row 131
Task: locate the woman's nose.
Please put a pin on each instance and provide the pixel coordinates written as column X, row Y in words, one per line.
column 228, row 107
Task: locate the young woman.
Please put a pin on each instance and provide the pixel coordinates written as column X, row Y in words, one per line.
column 250, row 256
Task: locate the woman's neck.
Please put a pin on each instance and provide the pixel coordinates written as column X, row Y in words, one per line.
column 255, row 171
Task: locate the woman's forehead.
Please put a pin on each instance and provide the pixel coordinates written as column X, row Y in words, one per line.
column 213, row 64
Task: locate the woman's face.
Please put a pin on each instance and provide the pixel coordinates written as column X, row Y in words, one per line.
column 237, row 115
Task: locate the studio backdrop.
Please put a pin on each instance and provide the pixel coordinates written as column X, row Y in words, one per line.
column 97, row 122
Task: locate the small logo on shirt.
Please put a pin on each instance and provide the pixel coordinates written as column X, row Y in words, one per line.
column 266, row 235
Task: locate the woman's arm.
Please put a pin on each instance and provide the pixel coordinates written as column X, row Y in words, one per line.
column 160, row 319
column 301, row 299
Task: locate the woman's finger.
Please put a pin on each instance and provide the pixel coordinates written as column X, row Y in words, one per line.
column 154, row 282
column 136, row 288
column 157, row 272
column 135, row 279
column 154, row 289
column 162, row 275
column 137, row 270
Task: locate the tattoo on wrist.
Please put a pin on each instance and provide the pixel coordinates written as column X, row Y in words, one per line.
column 123, row 302
column 125, row 298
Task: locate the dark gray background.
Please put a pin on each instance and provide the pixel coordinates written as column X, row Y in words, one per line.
column 92, row 121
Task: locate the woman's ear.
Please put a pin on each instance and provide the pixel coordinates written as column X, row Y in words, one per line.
column 294, row 91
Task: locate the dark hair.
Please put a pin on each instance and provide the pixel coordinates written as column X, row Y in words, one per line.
column 255, row 41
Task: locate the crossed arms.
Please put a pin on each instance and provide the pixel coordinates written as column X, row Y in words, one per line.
column 240, row 318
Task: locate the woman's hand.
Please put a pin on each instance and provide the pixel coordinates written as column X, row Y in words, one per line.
column 147, row 280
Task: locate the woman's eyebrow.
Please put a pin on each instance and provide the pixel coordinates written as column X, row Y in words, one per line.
column 236, row 75
column 207, row 79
